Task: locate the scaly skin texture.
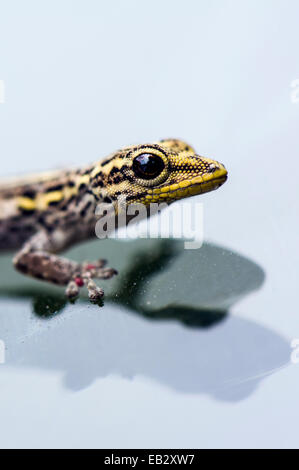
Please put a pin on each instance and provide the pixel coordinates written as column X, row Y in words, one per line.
column 45, row 214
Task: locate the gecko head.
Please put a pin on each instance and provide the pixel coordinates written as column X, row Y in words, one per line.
column 162, row 172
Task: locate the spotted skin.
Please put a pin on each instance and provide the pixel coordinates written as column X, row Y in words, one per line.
column 43, row 215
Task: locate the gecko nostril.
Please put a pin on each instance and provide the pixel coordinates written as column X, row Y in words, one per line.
column 213, row 168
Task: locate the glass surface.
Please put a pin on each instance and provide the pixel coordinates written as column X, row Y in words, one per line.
column 192, row 348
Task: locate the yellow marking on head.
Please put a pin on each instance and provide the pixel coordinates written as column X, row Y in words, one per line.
column 97, row 169
column 184, row 184
column 115, row 163
column 193, row 191
column 176, row 145
column 197, row 179
column 165, row 190
column 85, row 179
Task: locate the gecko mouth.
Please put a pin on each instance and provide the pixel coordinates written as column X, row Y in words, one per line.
column 187, row 188
column 199, row 188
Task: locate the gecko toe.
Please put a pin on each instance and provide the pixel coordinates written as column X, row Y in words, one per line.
column 72, row 290
column 95, row 293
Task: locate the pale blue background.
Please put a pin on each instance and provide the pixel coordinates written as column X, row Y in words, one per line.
column 83, row 78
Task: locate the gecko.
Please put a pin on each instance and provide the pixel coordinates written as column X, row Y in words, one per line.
column 44, row 214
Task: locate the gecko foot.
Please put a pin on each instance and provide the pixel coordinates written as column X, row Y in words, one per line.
column 84, row 275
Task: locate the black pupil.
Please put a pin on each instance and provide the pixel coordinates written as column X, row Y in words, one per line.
column 148, row 166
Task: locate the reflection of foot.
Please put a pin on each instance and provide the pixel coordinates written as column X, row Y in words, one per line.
column 84, row 275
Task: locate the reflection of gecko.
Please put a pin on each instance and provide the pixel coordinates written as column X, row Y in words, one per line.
column 46, row 213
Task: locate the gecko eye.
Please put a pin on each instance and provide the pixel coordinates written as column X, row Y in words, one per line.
column 148, row 166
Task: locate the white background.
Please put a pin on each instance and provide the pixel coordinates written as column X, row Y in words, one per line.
column 83, row 78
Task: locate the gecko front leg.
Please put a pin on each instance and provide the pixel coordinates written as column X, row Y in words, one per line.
column 38, row 259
